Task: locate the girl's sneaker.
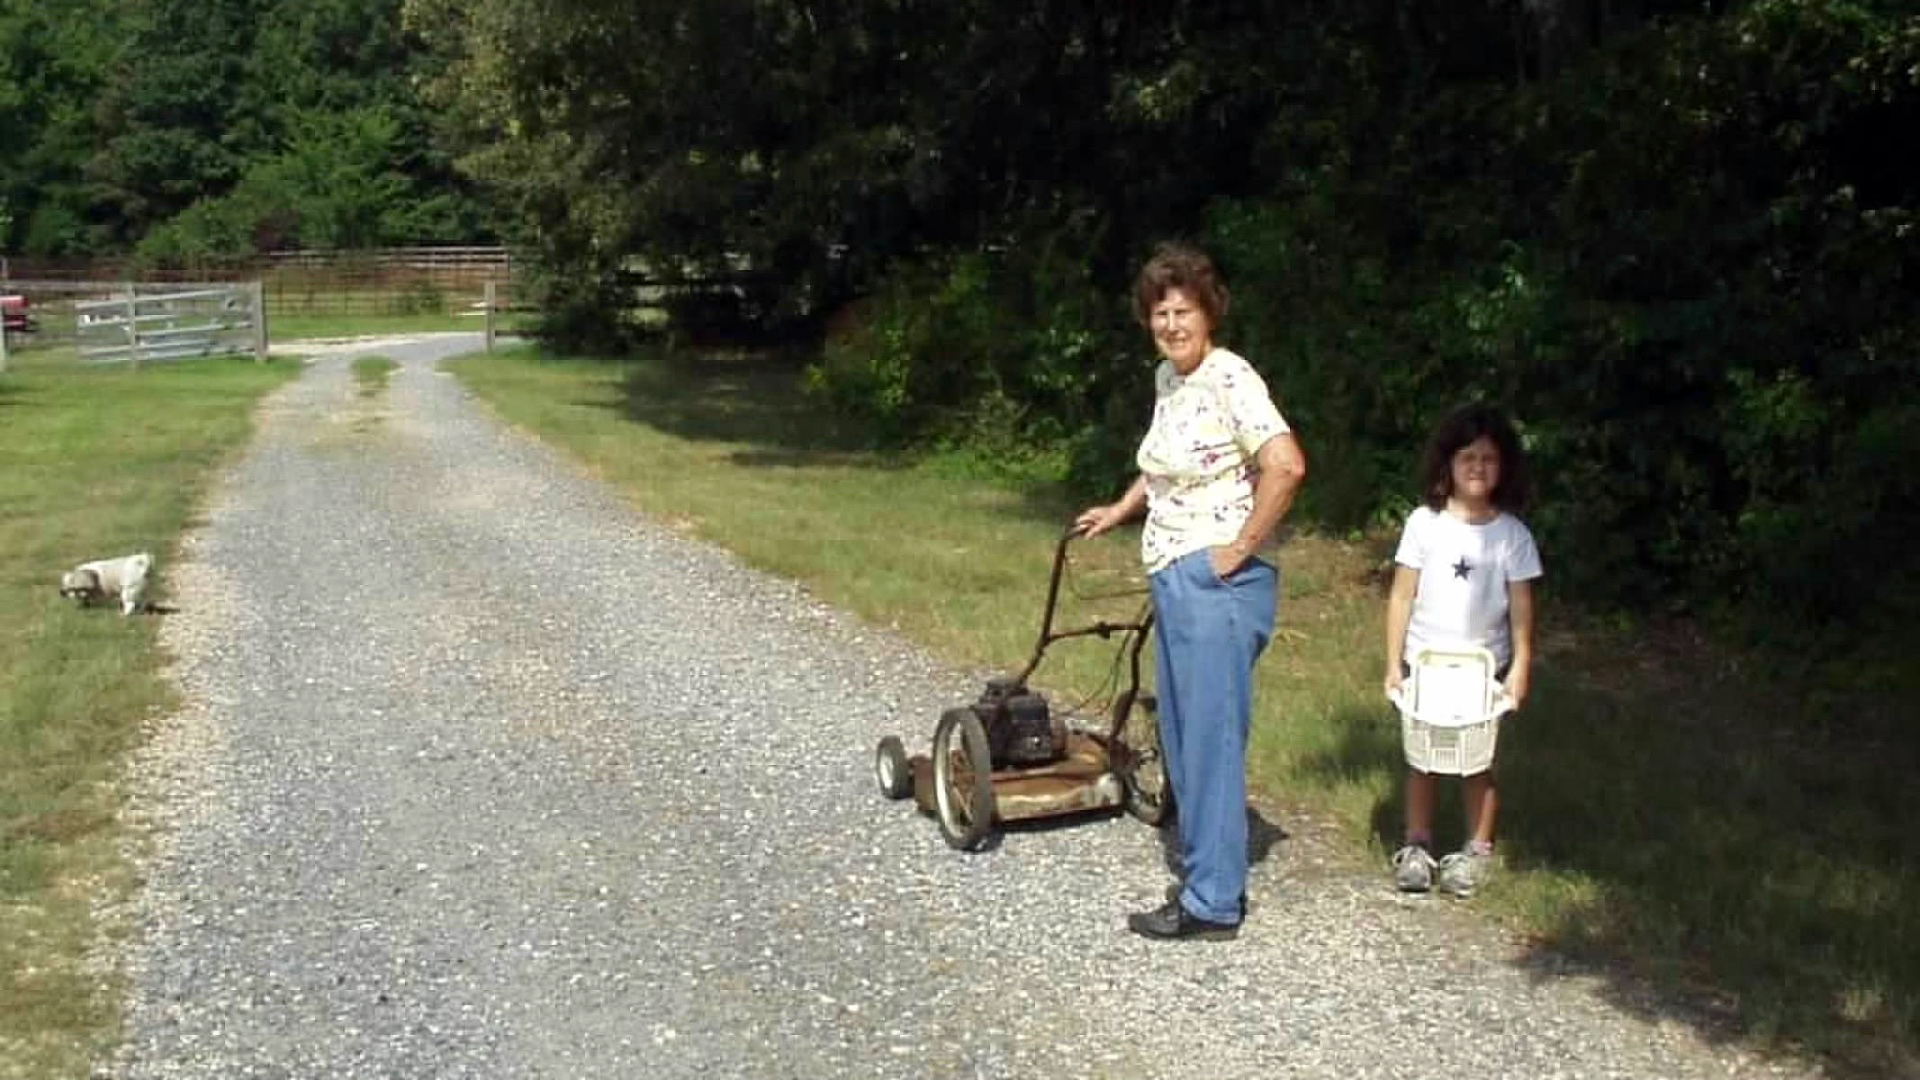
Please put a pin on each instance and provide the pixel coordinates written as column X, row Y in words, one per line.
column 1464, row 871
column 1413, row 869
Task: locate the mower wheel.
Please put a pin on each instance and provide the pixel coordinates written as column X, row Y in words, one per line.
column 1143, row 764
column 891, row 770
column 963, row 779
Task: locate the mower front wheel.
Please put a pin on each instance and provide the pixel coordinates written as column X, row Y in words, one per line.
column 890, row 768
column 963, row 779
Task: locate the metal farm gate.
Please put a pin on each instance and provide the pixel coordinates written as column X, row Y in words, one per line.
column 142, row 323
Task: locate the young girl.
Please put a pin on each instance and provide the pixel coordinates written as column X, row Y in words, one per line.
column 1463, row 576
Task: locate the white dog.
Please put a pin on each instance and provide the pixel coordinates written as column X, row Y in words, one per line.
column 124, row 578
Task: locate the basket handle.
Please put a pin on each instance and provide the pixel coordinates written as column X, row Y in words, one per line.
column 1502, row 704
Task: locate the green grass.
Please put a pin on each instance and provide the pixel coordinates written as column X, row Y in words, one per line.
column 1675, row 815
column 94, row 462
column 372, row 373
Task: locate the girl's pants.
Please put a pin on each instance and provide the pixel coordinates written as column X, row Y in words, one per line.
column 1207, row 635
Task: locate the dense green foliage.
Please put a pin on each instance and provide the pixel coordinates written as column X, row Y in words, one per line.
column 1668, row 236
column 203, row 128
column 1685, row 262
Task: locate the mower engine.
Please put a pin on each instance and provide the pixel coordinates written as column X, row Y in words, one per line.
column 1021, row 732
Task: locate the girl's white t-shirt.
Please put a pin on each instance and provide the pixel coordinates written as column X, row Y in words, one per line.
column 1464, row 572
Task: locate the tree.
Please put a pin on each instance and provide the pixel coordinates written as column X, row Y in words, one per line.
column 53, row 59
column 174, row 126
column 220, row 116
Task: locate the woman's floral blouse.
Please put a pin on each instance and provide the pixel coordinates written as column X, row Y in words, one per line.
column 1198, row 457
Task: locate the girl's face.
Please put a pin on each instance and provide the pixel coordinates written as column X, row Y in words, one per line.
column 1181, row 330
column 1476, row 472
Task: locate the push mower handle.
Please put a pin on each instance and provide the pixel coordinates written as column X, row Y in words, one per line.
column 1047, row 634
column 1053, row 579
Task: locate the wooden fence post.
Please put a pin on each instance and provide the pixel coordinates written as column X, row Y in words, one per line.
column 257, row 294
column 3, row 348
column 133, row 326
column 489, row 323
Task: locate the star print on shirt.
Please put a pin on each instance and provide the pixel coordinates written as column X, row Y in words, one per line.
column 1462, row 568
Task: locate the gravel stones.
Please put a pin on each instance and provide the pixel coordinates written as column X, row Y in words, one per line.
column 482, row 774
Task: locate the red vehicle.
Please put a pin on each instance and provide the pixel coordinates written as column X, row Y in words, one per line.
column 14, row 314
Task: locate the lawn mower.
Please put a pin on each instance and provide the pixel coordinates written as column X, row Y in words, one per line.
column 1012, row 755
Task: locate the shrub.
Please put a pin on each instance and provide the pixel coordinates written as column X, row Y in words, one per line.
column 1010, row 352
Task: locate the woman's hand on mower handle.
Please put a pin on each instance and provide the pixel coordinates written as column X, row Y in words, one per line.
column 1095, row 520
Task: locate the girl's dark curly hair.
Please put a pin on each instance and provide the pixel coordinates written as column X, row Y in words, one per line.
column 1175, row 265
column 1462, row 427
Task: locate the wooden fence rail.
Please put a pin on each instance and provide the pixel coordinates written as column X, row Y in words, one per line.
column 388, row 281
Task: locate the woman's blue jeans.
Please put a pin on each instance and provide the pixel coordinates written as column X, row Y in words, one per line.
column 1207, row 635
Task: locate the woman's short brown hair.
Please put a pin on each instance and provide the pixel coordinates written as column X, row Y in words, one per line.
column 1181, row 266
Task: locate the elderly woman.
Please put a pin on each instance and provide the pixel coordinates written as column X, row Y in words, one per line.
column 1218, row 469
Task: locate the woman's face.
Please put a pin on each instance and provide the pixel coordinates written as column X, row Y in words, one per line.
column 1476, row 471
column 1181, row 330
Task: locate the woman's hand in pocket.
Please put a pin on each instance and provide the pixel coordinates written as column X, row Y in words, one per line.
column 1226, row 560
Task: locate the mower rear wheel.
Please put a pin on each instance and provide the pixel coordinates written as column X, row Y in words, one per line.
column 1143, row 764
column 890, row 768
column 963, row 779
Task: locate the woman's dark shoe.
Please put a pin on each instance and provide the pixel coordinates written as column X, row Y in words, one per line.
column 1172, row 922
column 1173, row 897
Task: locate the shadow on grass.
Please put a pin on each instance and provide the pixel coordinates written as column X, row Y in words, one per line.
column 756, row 400
column 750, row 398
column 1737, row 857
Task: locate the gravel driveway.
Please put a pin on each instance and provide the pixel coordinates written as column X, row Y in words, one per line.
column 484, row 774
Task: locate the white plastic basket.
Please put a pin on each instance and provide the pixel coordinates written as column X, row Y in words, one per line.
column 1450, row 707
